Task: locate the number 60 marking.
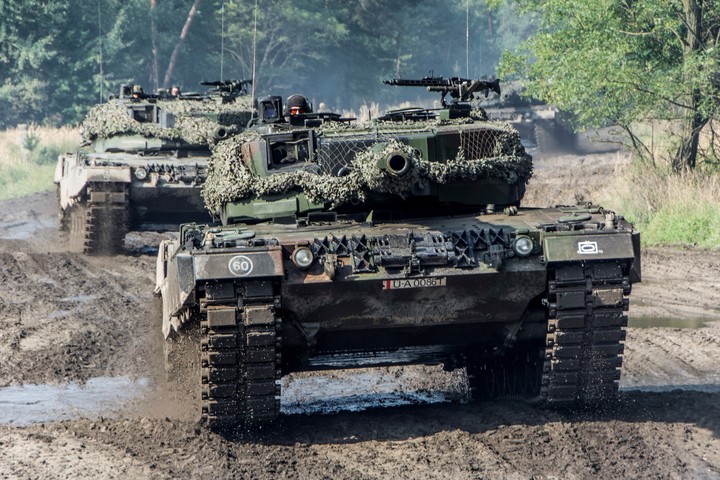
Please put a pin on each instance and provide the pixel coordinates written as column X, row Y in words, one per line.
column 240, row 265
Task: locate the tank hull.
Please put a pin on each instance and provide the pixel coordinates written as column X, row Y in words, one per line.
column 452, row 291
column 110, row 198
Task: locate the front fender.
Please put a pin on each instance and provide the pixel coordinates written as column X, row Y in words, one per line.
column 175, row 282
column 595, row 247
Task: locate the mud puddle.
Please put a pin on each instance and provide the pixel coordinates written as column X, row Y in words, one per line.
column 28, row 404
column 23, row 229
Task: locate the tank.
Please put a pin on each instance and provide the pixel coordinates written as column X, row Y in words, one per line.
column 397, row 242
column 541, row 126
column 143, row 162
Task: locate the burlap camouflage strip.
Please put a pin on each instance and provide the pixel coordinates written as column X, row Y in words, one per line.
column 230, row 179
column 195, row 120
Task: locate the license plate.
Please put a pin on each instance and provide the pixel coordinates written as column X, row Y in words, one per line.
column 414, row 283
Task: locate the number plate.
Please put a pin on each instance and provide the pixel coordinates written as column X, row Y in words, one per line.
column 414, row 283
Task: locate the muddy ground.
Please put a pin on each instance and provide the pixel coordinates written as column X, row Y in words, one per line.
column 66, row 319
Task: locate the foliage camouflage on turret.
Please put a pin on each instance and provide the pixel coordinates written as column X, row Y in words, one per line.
column 230, row 179
column 195, row 120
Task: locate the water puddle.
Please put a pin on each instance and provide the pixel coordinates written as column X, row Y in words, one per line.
column 23, row 229
column 669, row 322
column 27, row 404
column 358, row 390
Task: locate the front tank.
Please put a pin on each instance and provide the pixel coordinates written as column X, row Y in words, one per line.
column 397, row 242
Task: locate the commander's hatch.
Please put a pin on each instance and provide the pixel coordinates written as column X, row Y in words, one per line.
column 289, row 151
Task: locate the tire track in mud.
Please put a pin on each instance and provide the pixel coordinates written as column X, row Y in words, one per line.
column 663, row 356
column 58, row 455
column 64, row 317
column 108, row 325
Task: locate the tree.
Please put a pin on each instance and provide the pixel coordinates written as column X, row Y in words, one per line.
column 627, row 62
column 27, row 30
column 58, row 57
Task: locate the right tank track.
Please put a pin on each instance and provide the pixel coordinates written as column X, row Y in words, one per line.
column 240, row 360
column 586, row 329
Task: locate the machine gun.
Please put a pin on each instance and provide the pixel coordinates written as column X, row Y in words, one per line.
column 228, row 87
column 460, row 89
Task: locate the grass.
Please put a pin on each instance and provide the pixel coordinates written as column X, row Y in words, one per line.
column 28, row 157
column 669, row 209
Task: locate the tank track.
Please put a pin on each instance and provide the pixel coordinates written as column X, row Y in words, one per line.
column 240, row 361
column 586, row 329
column 98, row 226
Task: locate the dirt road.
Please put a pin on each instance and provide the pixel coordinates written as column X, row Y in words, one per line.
column 65, row 318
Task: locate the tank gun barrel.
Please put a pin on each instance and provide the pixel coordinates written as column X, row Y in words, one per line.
column 395, row 163
column 222, row 132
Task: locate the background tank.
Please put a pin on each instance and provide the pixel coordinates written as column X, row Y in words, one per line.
column 396, row 242
column 143, row 163
column 541, row 126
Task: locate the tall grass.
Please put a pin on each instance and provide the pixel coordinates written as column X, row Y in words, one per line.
column 679, row 209
column 28, row 157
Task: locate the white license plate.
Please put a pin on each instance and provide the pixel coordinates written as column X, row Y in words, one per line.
column 414, row 283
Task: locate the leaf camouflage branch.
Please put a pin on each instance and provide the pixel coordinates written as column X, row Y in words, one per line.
column 195, row 120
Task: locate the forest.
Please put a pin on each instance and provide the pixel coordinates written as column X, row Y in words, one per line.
column 58, row 57
column 639, row 65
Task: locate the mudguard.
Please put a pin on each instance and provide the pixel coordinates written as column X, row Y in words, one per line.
column 573, row 248
column 179, row 271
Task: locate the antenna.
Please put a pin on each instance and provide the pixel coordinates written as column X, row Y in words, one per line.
column 252, row 93
column 222, row 39
column 467, row 38
column 102, row 94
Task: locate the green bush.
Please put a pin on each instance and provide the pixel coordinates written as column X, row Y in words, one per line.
column 48, row 155
column 669, row 209
column 686, row 224
column 24, row 179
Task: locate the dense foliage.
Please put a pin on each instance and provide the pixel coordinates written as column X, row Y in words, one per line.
column 630, row 63
column 58, row 57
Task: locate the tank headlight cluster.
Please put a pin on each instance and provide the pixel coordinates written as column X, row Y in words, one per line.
column 302, row 257
column 141, row 173
column 523, row 246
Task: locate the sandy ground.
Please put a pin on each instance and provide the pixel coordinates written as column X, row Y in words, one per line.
column 70, row 320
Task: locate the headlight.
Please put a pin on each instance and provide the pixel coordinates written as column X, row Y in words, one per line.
column 140, row 173
column 302, row 257
column 523, row 246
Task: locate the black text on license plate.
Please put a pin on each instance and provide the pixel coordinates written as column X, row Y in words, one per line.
column 414, row 283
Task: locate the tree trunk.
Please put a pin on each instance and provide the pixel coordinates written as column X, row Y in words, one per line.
column 686, row 157
column 154, row 74
column 176, row 51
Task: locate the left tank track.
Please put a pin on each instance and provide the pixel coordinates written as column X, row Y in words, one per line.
column 98, row 224
column 240, row 358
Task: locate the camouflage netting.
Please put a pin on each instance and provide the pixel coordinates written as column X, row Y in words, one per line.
column 195, row 120
column 229, row 179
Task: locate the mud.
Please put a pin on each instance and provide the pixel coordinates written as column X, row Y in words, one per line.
column 67, row 321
